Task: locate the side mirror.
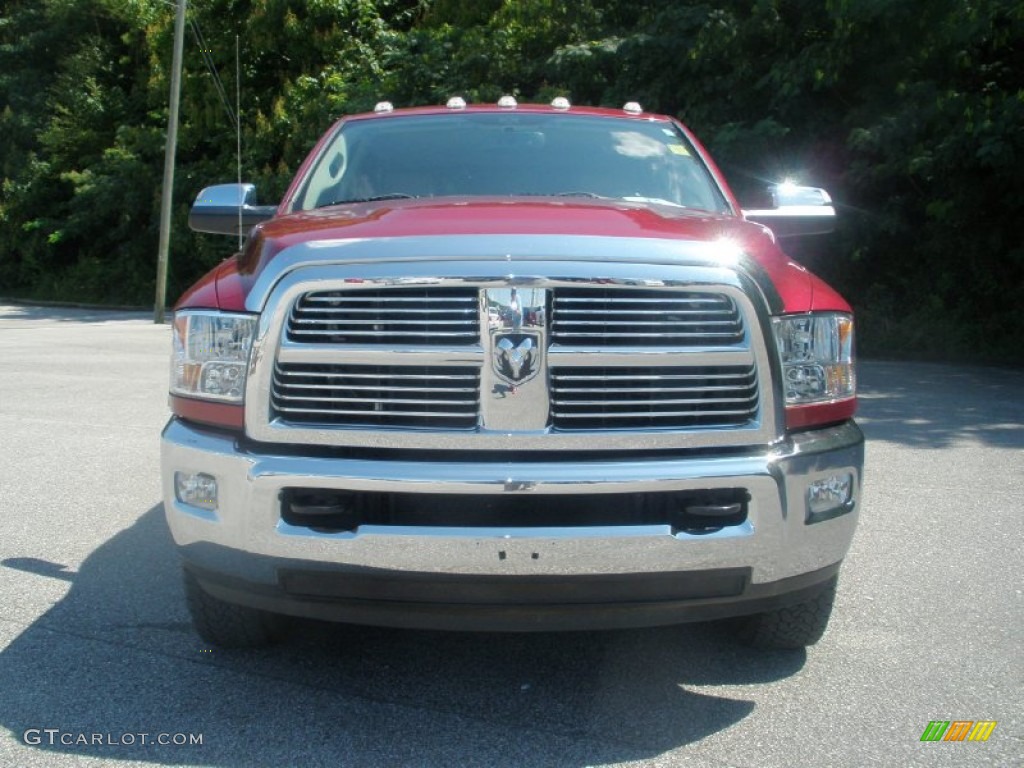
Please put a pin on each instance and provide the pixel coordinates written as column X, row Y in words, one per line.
column 219, row 208
column 796, row 211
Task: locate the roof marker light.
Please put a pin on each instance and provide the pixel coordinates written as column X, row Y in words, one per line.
column 383, row 106
column 560, row 103
column 456, row 102
column 632, row 108
column 508, row 102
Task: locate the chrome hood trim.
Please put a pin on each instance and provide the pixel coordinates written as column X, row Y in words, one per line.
column 512, row 250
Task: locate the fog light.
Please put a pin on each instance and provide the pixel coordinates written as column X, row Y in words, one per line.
column 829, row 497
column 196, row 489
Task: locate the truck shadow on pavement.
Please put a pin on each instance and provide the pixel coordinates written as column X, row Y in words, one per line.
column 940, row 404
column 116, row 658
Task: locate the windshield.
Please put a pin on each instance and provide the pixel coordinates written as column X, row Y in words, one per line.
column 498, row 154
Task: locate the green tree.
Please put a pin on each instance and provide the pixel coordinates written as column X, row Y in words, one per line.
column 911, row 113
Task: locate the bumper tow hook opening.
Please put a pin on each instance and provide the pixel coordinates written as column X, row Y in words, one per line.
column 708, row 516
column 714, row 510
column 335, row 512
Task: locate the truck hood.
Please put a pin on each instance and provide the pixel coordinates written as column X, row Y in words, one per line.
column 227, row 285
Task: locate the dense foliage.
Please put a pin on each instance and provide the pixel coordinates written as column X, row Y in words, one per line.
column 911, row 113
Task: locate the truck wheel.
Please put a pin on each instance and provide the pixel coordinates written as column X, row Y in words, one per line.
column 227, row 625
column 793, row 626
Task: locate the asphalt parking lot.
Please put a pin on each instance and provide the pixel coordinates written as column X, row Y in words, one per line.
column 95, row 639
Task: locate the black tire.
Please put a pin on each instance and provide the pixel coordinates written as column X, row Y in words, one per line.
column 794, row 626
column 227, row 625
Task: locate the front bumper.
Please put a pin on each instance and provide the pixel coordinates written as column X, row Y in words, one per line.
column 512, row 577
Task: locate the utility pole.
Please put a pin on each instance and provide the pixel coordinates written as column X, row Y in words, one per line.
column 168, row 187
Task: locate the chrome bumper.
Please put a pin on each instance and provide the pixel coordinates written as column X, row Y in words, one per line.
column 245, row 552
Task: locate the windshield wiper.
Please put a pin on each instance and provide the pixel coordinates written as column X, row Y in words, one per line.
column 654, row 200
column 559, row 194
column 373, row 199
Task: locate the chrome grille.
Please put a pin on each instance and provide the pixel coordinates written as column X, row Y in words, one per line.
column 407, row 316
column 644, row 356
column 439, row 397
column 616, row 317
column 643, row 398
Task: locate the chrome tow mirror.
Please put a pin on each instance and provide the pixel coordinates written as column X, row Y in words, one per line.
column 796, row 211
column 228, row 209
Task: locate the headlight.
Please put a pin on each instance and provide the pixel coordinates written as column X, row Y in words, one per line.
column 211, row 354
column 816, row 351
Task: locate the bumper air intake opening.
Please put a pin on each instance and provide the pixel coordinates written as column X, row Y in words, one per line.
column 695, row 512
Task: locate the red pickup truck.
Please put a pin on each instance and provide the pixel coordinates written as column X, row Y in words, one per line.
column 511, row 367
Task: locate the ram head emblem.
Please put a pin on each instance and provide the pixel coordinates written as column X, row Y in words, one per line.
column 515, row 357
